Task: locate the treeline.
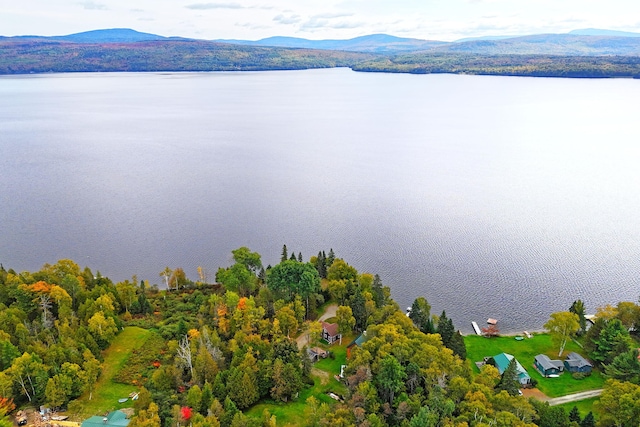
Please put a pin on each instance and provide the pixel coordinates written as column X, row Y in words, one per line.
column 36, row 56
column 506, row 65
column 213, row 350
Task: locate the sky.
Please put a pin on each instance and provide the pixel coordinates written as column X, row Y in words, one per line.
column 446, row 20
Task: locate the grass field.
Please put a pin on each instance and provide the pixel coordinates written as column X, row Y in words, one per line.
column 584, row 406
column 479, row 347
column 106, row 394
column 292, row 413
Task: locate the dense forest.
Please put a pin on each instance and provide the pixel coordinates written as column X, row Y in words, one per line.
column 507, row 65
column 237, row 351
column 41, row 55
column 37, row 56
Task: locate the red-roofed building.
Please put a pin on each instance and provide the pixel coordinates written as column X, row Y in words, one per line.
column 330, row 332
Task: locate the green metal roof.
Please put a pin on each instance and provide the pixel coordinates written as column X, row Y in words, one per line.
column 113, row 419
column 502, row 361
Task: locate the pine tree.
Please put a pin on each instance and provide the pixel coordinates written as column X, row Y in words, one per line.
column 458, row 346
column 378, row 293
column 445, row 329
column 588, row 421
column 330, row 258
column 509, row 381
column 299, row 256
column 285, row 255
column 293, row 256
column 574, row 415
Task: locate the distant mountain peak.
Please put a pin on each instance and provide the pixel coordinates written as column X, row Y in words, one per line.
column 600, row 32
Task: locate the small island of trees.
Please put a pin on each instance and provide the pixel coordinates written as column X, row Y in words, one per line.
column 237, row 352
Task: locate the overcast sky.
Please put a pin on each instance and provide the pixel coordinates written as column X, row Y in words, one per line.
column 315, row 19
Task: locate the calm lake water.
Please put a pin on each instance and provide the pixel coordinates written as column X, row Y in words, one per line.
column 490, row 196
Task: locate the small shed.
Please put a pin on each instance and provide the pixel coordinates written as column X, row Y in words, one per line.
column 113, row 419
column 547, row 366
column 576, row 363
column 317, row 353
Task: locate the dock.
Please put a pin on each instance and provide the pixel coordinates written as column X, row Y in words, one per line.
column 476, row 328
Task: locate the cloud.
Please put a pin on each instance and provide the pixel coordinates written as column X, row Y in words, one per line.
column 330, row 21
column 288, row 20
column 91, row 5
column 207, row 6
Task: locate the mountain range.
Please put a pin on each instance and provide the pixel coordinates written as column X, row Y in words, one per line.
column 581, row 53
column 584, row 42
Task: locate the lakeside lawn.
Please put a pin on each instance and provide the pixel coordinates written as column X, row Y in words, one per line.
column 479, row 347
column 107, row 392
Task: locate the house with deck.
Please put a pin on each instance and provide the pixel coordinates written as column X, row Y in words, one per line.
column 576, row 363
column 547, row 366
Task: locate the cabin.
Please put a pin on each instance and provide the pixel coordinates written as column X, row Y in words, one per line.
column 356, row 343
column 547, row 366
column 113, row 419
column 316, row 353
column 502, row 360
column 330, row 332
column 576, row 363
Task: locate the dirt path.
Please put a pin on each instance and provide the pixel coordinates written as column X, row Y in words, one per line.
column 574, row 397
column 330, row 311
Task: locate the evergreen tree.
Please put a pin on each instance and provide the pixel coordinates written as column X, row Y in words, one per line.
column 420, row 314
column 588, row 421
column 299, row 256
column 458, row 346
column 378, row 293
column 330, row 258
column 285, row 255
column 445, row 329
column 574, row 415
column 293, row 256
column 509, row 381
column 357, row 304
column 578, row 308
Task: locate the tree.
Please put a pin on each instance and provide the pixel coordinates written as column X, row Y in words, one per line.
column 184, row 353
column 285, row 255
column 458, row 346
column 390, row 379
column 251, row 260
column 509, row 380
column 490, row 331
column 588, row 420
column 166, row 274
column 445, row 329
column 578, row 308
column 287, row 319
column 421, row 315
column 286, row 380
column 345, row 320
column 574, row 414
column 613, row 340
column 377, row 291
column 619, row 404
column 561, row 326
column 146, row 417
column 624, row 367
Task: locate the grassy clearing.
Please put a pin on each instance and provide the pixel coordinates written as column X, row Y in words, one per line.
column 584, row 406
column 292, row 413
column 107, row 392
column 479, row 347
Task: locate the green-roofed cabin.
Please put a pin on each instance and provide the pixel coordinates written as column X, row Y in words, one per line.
column 113, row 419
column 501, row 361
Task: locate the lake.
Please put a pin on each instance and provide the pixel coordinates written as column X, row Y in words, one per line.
column 498, row 197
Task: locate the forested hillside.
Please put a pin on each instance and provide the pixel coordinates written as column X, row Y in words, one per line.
column 236, row 352
column 20, row 56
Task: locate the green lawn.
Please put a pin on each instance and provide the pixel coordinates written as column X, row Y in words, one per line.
column 292, row 413
column 479, row 347
column 106, row 394
column 584, row 406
